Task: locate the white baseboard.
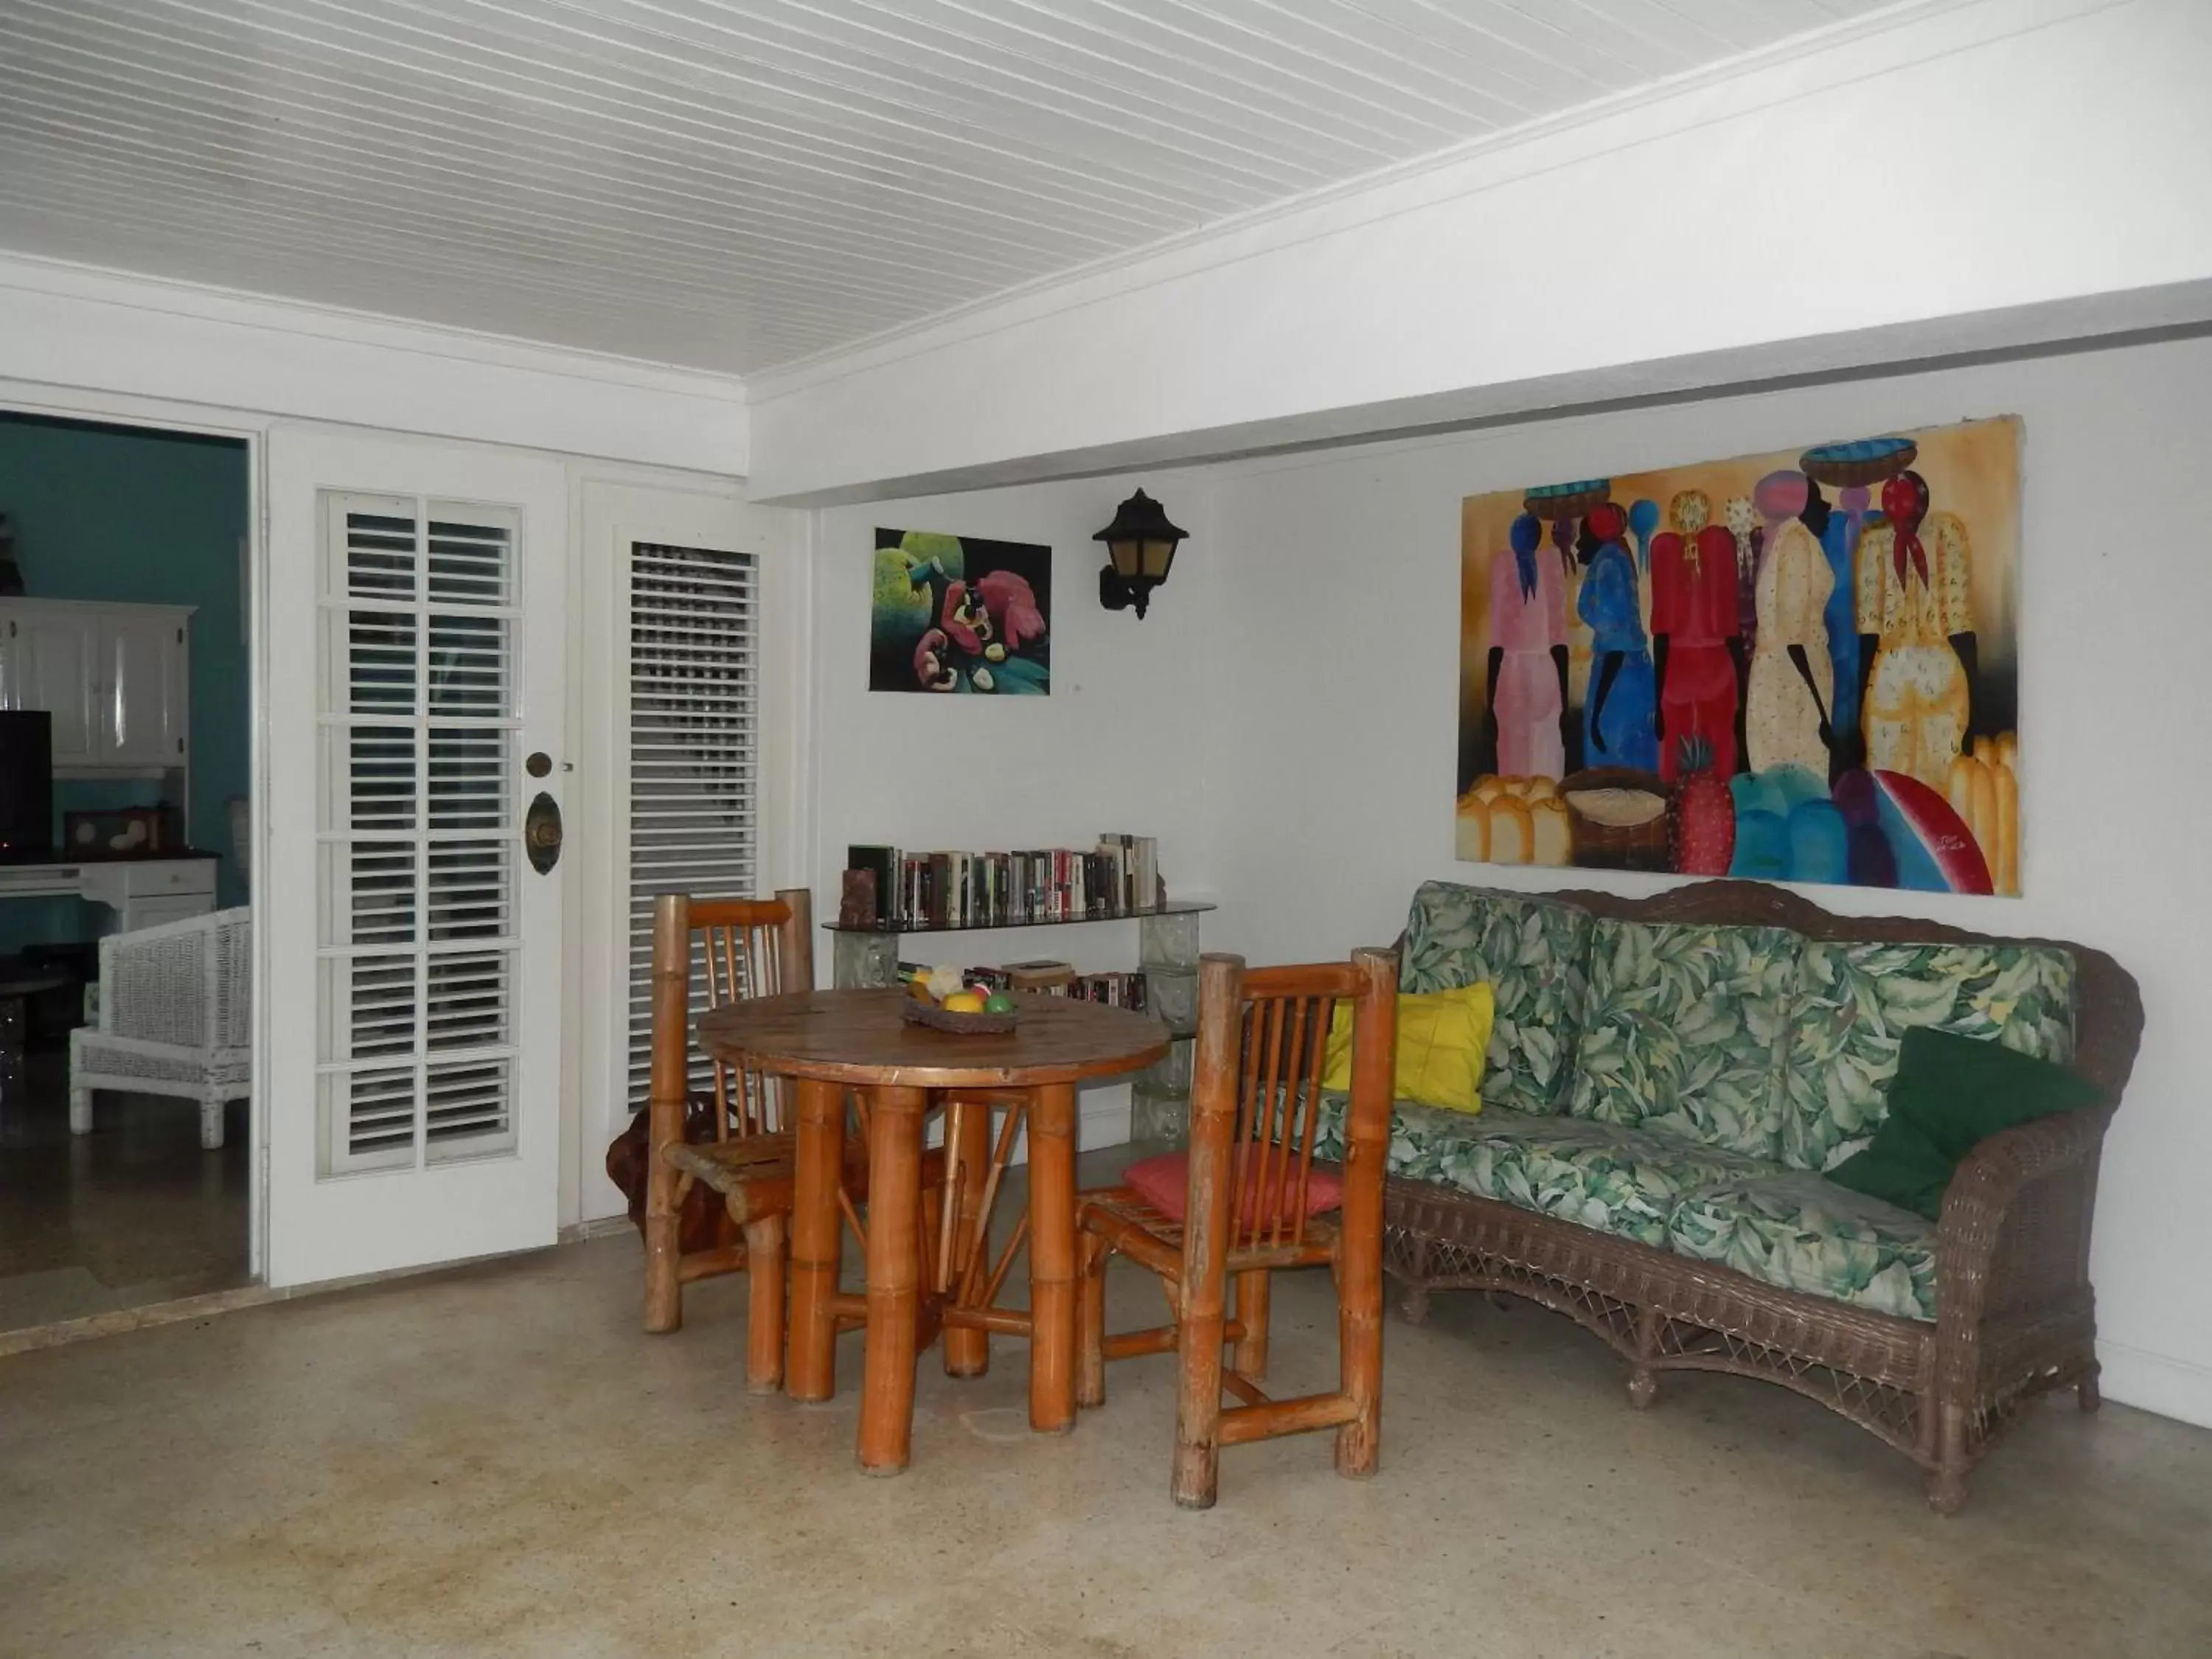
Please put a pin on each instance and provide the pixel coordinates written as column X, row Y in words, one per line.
column 2155, row 1383
column 1105, row 1125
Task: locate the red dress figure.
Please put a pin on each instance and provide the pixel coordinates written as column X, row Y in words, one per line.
column 1694, row 625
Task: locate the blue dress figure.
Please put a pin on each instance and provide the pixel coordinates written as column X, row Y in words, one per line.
column 1839, row 540
column 1849, row 469
column 1621, row 716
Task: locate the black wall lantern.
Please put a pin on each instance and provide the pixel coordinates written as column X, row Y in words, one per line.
column 1140, row 548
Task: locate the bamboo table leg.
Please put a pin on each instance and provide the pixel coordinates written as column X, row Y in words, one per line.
column 967, row 1351
column 894, row 1118
column 1051, row 1258
column 811, row 1372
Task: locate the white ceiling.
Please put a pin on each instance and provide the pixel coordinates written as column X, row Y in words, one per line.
column 733, row 184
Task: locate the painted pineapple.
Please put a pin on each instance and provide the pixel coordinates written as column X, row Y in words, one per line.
column 1704, row 814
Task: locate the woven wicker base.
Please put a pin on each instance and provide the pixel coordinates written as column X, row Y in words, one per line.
column 1663, row 1312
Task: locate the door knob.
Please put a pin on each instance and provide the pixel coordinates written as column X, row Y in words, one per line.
column 541, row 832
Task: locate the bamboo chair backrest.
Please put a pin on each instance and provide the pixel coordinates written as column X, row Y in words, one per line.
column 1271, row 1026
column 735, row 948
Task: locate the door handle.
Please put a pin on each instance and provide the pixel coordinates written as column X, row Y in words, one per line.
column 541, row 832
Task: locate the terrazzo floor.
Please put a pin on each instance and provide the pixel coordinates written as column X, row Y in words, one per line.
column 496, row 1460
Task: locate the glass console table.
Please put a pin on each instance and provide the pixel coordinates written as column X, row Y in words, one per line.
column 1167, row 952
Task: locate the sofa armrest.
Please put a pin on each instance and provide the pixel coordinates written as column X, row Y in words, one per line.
column 2014, row 1230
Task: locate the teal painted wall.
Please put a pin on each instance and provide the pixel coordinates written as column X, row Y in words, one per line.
column 107, row 513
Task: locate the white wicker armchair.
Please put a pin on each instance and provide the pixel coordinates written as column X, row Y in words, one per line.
column 176, row 1017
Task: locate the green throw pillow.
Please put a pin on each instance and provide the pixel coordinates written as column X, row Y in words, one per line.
column 1950, row 1094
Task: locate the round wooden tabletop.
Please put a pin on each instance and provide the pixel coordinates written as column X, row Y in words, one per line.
column 857, row 1037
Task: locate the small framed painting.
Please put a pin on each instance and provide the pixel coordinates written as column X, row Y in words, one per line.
column 960, row 615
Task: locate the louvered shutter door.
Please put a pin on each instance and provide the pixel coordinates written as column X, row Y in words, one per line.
column 419, row 929
column 693, row 745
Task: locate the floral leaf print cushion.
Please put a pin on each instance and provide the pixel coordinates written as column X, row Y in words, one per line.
column 1855, row 1000
column 1600, row 1176
column 1529, row 950
column 1683, row 1031
column 1802, row 1233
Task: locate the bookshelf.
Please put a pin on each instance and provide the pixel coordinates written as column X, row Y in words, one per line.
column 867, row 955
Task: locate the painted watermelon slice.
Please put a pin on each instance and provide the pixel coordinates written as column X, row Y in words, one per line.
column 1936, row 853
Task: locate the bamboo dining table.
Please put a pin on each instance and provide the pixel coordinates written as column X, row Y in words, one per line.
column 929, row 1260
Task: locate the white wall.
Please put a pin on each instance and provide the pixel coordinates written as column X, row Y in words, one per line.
column 77, row 329
column 1965, row 177
column 1331, row 725
column 1114, row 747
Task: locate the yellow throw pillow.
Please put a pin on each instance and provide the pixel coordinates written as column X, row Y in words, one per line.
column 1442, row 1036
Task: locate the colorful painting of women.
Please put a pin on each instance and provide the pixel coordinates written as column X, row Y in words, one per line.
column 1829, row 630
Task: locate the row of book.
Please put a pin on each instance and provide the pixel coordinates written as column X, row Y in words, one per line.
column 1059, row 979
column 897, row 891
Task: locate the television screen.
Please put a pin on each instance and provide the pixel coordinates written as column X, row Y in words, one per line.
column 27, row 784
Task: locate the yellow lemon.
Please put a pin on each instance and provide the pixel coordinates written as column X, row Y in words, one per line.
column 963, row 1002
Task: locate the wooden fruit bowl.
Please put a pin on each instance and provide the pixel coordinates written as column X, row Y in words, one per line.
column 915, row 1011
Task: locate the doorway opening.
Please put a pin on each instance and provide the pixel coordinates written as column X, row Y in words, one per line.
column 126, row 722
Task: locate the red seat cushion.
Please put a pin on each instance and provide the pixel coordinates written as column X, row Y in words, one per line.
column 1163, row 1181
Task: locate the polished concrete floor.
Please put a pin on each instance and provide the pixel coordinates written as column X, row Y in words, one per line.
column 496, row 1461
column 133, row 1214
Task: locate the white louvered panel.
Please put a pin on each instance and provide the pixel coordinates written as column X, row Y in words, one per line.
column 467, row 1003
column 735, row 184
column 472, row 894
column 381, row 662
column 382, row 882
column 378, row 1108
column 468, row 777
column 693, row 751
column 467, row 1105
column 418, row 862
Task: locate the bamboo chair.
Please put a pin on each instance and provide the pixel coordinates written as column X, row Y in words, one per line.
column 1251, row 1205
column 745, row 948
column 742, row 948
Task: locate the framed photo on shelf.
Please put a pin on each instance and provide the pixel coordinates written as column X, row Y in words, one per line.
column 116, row 832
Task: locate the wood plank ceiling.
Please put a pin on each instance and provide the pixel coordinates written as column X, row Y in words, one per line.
column 733, row 184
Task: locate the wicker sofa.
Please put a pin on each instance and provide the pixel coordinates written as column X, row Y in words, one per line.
column 1668, row 1078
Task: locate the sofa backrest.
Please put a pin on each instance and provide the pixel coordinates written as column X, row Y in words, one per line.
column 1684, row 1029
column 1856, row 999
column 2106, row 1005
column 2059, row 1000
column 1531, row 950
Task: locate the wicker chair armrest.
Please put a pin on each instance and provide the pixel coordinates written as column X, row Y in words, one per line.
column 2054, row 1157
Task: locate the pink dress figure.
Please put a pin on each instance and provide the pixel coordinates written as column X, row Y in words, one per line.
column 1528, row 626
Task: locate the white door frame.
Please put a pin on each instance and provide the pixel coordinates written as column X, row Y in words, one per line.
column 614, row 508
column 118, row 409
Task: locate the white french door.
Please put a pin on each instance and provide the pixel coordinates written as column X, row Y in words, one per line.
column 417, row 690
column 690, row 622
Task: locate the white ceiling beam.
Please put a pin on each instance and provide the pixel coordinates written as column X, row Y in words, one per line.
column 1995, row 175
column 73, row 328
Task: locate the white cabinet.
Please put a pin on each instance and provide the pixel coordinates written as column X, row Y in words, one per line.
column 49, row 658
column 143, row 706
column 115, row 677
